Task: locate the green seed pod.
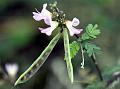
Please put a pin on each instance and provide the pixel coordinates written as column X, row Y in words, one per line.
column 38, row 62
column 67, row 55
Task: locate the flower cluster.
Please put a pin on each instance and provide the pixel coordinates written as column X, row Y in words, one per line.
column 47, row 17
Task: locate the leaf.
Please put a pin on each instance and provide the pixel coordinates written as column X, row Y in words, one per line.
column 91, row 48
column 74, row 48
column 85, row 36
column 97, row 85
column 38, row 62
column 91, row 32
column 108, row 72
column 67, row 55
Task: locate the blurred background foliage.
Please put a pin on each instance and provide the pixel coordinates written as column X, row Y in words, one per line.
column 21, row 42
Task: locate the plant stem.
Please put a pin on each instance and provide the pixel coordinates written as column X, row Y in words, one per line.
column 82, row 52
column 94, row 61
column 97, row 66
column 83, row 58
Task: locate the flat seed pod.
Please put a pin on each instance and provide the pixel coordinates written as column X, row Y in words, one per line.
column 38, row 62
column 67, row 55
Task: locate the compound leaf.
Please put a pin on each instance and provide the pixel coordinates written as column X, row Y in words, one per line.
column 91, row 32
column 74, row 48
column 91, row 48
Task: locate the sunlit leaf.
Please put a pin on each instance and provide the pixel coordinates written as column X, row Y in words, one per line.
column 74, row 48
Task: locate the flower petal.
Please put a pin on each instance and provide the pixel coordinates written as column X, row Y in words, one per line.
column 75, row 31
column 48, row 31
column 11, row 69
column 48, row 20
column 45, row 5
column 71, row 29
column 45, row 12
column 54, row 24
column 75, row 22
column 37, row 16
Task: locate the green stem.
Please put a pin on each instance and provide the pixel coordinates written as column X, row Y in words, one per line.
column 82, row 52
column 83, row 58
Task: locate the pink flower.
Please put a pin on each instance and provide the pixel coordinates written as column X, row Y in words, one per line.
column 71, row 24
column 44, row 14
column 47, row 17
column 48, row 31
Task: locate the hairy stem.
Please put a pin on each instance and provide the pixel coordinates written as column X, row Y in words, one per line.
column 94, row 61
column 83, row 58
column 97, row 66
column 82, row 52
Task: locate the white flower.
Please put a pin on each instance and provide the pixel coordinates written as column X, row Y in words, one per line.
column 47, row 17
column 71, row 24
column 11, row 69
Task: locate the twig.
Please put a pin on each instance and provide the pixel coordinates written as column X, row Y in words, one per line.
column 82, row 52
column 96, row 66
column 83, row 58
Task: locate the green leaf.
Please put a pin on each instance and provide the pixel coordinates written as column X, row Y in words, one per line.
column 38, row 62
column 67, row 55
column 91, row 32
column 97, row 85
column 91, row 48
column 74, row 48
column 108, row 72
column 85, row 36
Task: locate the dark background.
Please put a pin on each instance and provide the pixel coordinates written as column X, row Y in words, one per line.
column 21, row 42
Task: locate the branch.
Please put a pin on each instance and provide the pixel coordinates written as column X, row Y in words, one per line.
column 82, row 52
column 83, row 58
column 96, row 66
